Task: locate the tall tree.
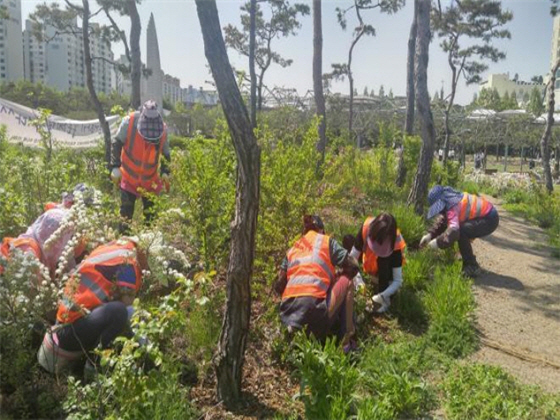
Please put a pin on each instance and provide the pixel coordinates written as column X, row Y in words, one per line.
column 345, row 70
column 410, row 96
column 235, row 328
column 132, row 46
column 535, row 105
column 419, row 189
column 63, row 21
column 318, row 78
column 545, row 140
column 283, row 22
column 252, row 48
column 467, row 29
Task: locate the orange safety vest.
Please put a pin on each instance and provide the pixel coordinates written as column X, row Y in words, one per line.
column 310, row 270
column 140, row 158
column 369, row 258
column 26, row 245
column 88, row 288
column 473, row 207
column 51, row 205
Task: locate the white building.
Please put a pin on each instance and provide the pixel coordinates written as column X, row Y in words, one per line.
column 503, row 84
column 11, row 44
column 172, row 89
column 34, row 56
column 58, row 60
column 192, row 96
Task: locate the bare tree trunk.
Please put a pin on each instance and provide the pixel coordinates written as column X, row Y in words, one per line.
column 545, row 140
column 419, row 189
column 447, row 112
column 259, row 91
column 229, row 358
column 410, row 96
column 318, row 79
column 135, row 57
column 351, row 106
column 89, row 81
column 252, row 72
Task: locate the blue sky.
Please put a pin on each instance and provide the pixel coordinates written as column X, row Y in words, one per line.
column 379, row 60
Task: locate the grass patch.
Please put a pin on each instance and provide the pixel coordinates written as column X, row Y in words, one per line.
column 486, row 393
column 450, row 306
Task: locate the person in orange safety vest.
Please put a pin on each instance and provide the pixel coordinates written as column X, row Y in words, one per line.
column 313, row 295
column 136, row 160
column 34, row 239
column 93, row 309
column 462, row 217
column 380, row 247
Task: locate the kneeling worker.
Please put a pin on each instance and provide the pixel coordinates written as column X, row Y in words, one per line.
column 381, row 246
column 313, row 296
column 93, row 309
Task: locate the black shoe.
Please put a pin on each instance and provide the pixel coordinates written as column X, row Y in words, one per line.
column 472, row 270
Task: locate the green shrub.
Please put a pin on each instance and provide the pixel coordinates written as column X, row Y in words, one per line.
column 328, row 378
column 391, row 383
column 486, row 392
column 410, row 224
column 450, row 305
column 204, row 181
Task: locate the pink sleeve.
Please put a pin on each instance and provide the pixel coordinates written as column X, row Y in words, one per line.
column 453, row 218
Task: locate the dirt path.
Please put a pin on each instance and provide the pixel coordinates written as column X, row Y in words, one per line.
column 518, row 300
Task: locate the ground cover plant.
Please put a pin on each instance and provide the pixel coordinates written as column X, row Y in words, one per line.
column 411, row 362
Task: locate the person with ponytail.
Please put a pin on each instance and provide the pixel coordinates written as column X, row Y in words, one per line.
column 314, row 296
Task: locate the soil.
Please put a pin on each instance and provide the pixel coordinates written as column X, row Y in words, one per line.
column 518, row 302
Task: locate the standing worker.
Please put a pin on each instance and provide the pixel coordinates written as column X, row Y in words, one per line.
column 313, row 296
column 93, row 309
column 381, row 246
column 462, row 217
column 135, row 158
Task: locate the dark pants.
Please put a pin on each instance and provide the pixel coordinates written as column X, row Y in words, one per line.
column 101, row 326
column 128, row 200
column 476, row 228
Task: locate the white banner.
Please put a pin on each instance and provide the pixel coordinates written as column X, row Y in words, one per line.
column 65, row 133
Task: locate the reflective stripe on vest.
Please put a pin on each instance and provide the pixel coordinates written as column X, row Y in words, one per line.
column 369, row 257
column 310, row 271
column 139, row 158
column 472, row 207
column 94, row 288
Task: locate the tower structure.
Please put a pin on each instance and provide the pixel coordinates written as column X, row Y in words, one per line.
column 154, row 85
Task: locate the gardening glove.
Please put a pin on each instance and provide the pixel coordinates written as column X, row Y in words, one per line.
column 433, row 244
column 166, row 183
column 425, row 240
column 116, row 175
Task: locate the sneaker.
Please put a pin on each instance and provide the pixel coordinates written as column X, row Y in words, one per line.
column 381, row 302
column 472, row 270
column 350, row 347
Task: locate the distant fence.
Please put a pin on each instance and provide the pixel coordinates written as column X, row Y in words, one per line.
column 65, row 132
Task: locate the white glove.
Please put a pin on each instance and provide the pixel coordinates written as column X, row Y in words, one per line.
column 425, row 239
column 433, row 244
column 116, row 175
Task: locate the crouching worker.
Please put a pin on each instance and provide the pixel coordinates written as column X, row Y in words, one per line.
column 462, row 217
column 93, row 309
column 380, row 246
column 313, row 296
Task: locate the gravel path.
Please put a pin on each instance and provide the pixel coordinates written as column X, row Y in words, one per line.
column 518, row 298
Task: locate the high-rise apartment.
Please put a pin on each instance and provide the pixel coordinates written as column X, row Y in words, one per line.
column 58, row 59
column 11, row 44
